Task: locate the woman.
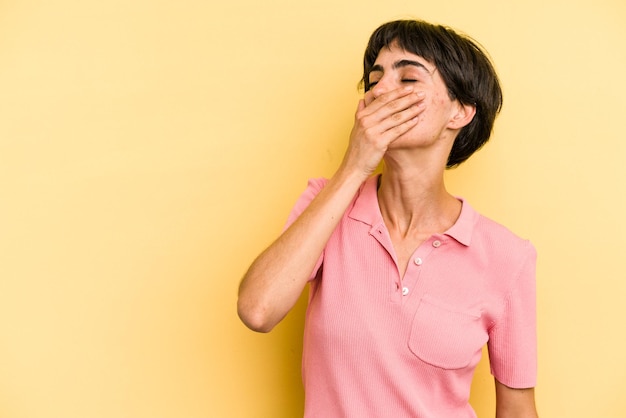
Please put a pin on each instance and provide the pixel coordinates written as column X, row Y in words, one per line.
column 407, row 282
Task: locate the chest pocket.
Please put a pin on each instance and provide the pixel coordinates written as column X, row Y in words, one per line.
column 446, row 337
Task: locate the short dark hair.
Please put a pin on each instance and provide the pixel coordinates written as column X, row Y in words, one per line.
column 464, row 67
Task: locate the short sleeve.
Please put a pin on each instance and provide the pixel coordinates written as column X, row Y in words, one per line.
column 513, row 338
column 314, row 186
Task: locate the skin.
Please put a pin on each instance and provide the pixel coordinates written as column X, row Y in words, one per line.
column 412, row 196
column 515, row 403
column 408, row 120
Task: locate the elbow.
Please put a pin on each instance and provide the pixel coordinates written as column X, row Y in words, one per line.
column 255, row 317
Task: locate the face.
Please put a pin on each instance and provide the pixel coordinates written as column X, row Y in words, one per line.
column 395, row 68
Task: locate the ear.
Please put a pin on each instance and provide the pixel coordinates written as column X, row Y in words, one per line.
column 461, row 115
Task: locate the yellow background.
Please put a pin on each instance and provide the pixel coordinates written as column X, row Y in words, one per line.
column 150, row 149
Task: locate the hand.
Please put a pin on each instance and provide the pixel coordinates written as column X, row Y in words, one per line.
column 378, row 122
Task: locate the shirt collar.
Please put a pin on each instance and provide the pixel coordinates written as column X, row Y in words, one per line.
column 367, row 210
column 464, row 225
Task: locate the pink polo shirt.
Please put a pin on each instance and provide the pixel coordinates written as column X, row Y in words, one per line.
column 376, row 345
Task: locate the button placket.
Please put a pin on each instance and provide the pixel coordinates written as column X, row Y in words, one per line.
column 418, row 262
column 419, row 258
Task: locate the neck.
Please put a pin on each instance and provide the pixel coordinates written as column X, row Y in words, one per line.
column 414, row 200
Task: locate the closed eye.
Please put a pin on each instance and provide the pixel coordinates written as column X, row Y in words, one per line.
column 404, row 80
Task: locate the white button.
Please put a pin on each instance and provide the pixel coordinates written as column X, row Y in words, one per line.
column 418, row 261
column 437, row 244
column 405, row 291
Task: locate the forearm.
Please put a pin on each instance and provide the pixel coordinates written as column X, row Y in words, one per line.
column 275, row 280
column 515, row 403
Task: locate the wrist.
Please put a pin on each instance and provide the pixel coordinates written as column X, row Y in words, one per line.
column 348, row 175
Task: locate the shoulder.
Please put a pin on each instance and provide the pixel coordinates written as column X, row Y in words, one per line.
column 314, row 186
column 497, row 242
column 490, row 228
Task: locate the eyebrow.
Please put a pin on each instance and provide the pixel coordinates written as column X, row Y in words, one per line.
column 401, row 64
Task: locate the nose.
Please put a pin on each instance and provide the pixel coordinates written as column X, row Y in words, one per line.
column 384, row 85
